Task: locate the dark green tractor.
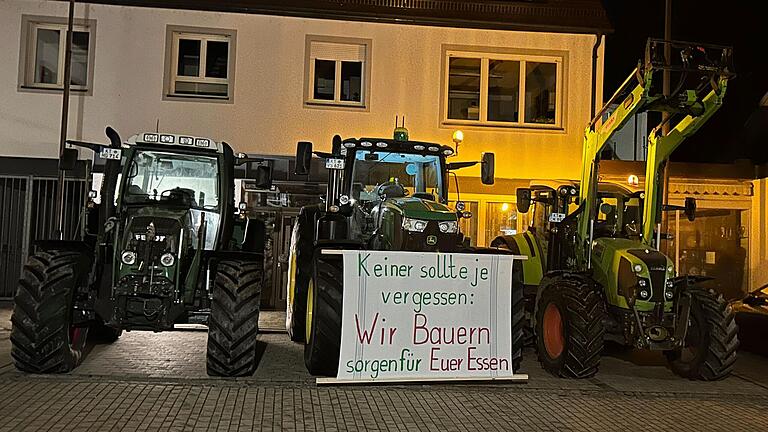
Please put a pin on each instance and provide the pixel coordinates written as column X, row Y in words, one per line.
column 598, row 274
column 383, row 194
column 166, row 245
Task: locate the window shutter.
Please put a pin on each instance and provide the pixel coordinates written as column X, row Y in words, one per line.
column 337, row 51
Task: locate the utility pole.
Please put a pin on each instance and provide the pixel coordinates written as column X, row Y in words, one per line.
column 665, row 115
column 59, row 233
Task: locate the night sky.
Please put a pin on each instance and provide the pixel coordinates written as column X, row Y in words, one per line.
column 724, row 138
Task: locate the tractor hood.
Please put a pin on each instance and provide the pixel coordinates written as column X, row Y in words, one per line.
column 634, row 268
column 154, row 242
column 418, row 208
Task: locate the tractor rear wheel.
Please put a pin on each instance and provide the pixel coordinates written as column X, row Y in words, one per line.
column 234, row 321
column 324, row 308
column 44, row 338
column 569, row 328
column 300, row 273
column 711, row 340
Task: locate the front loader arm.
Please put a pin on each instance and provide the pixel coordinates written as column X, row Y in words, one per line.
column 597, row 136
column 660, row 147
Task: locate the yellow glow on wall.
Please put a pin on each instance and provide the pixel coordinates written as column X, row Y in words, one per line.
column 504, row 207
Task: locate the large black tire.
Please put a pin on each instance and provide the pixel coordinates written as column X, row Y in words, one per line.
column 302, row 240
column 711, row 340
column 234, row 321
column 569, row 328
column 321, row 353
column 519, row 321
column 43, row 338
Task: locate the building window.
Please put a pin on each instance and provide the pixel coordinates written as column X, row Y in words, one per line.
column 45, row 51
column 338, row 71
column 503, row 90
column 201, row 64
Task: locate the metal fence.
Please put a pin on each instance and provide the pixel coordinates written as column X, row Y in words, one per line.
column 28, row 213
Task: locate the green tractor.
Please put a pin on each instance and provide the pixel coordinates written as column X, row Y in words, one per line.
column 383, row 194
column 595, row 272
column 166, row 245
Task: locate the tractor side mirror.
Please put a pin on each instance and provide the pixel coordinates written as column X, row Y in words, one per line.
column 523, row 199
column 488, row 169
column 303, row 157
column 263, row 177
column 68, row 160
column 690, row 208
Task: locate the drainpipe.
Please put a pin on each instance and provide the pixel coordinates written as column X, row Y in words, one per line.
column 64, row 122
column 595, row 48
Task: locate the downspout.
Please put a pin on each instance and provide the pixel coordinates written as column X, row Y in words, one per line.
column 595, row 49
column 59, row 234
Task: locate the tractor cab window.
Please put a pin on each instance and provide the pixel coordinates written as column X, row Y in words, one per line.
column 179, row 181
column 379, row 174
column 618, row 216
column 170, row 178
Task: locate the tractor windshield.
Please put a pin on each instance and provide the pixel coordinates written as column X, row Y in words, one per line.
column 379, row 173
column 618, row 216
column 173, row 178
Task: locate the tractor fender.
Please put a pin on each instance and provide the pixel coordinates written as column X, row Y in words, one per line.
column 524, row 244
column 66, row 245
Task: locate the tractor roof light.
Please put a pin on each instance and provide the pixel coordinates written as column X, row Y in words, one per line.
column 448, row 152
column 433, row 148
column 381, row 144
column 366, row 144
column 349, row 144
column 418, row 147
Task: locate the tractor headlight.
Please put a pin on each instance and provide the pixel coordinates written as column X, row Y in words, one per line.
column 637, row 268
column 414, row 225
column 128, row 257
column 344, row 199
column 668, row 293
column 449, row 227
column 167, row 260
column 644, row 291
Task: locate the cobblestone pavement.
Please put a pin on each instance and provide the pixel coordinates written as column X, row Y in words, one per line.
column 157, row 381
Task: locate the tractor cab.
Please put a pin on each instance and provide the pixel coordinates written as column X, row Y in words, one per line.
column 391, row 194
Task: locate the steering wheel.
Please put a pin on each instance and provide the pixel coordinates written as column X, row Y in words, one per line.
column 391, row 189
column 186, row 196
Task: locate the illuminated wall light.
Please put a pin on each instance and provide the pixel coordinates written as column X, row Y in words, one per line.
column 633, row 180
column 504, row 207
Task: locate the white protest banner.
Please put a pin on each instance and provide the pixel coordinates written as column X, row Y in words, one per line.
column 412, row 316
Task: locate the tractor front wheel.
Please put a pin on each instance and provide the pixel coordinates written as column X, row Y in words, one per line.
column 324, row 308
column 234, row 321
column 300, row 272
column 569, row 329
column 44, row 338
column 711, row 339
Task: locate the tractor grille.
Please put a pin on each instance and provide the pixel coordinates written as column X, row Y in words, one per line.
column 657, row 267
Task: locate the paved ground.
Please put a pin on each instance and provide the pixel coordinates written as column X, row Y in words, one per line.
column 149, row 381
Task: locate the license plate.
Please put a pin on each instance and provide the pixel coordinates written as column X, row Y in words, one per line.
column 334, row 164
column 556, row 217
column 110, row 153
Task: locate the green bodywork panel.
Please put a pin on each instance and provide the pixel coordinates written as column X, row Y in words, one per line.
column 417, row 208
column 170, row 272
column 606, row 256
column 533, row 267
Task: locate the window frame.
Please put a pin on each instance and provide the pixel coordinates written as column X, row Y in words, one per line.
column 309, row 75
column 204, row 35
column 485, row 56
column 28, row 53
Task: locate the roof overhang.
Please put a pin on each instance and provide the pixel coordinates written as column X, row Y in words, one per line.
column 556, row 16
